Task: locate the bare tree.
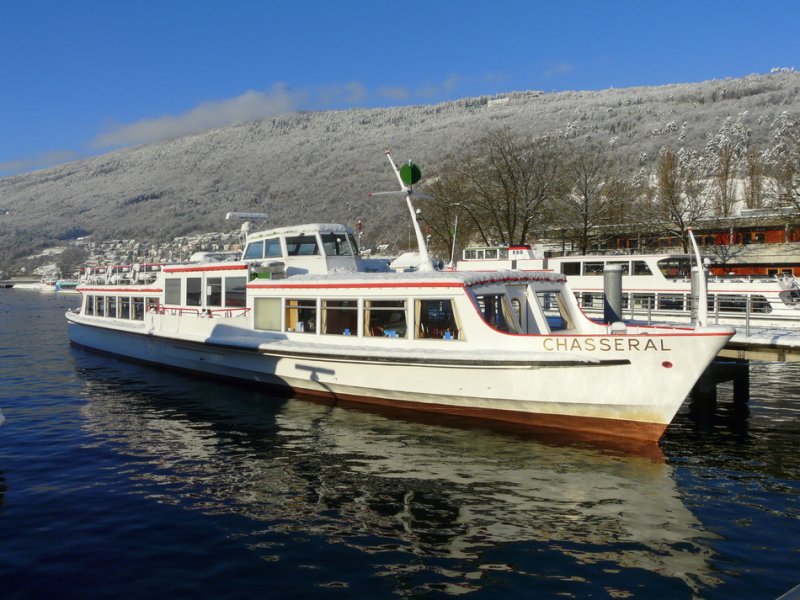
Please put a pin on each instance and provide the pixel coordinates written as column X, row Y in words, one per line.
column 593, row 194
column 754, row 180
column 724, row 177
column 502, row 184
column 678, row 199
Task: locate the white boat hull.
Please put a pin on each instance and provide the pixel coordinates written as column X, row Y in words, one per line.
column 538, row 387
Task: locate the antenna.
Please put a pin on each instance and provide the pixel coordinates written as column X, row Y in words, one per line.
column 407, row 176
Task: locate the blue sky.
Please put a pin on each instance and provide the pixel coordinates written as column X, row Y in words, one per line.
column 83, row 77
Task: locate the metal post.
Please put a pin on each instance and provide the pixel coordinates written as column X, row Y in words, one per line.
column 695, row 295
column 747, row 315
column 612, row 286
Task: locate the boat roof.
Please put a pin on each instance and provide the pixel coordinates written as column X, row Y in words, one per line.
column 416, row 278
column 307, row 229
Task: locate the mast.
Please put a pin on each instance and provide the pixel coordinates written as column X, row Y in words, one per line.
column 407, row 176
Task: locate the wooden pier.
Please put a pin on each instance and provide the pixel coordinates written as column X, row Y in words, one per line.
column 773, row 345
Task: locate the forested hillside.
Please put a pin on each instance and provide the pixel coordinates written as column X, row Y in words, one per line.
column 320, row 166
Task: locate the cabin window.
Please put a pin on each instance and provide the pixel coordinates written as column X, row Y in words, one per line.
column 645, row 301
column 267, row 313
column 235, row 291
column 112, row 307
column 554, row 307
column 491, row 253
column 470, row 254
column 172, row 291
column 737, row 303
column 100, row 306
column 302, row 245
column 254, row 250
column 670, row 302
column 89, row 309
column 497, row 312
column 385, row 318
column 272, row 248
column 641, row 268
column 194, row 286
column 214, row 291
column 138, row 309
column 436, row 319
column 675, row 268
column 125, row 308
column 301, row 315
column 335, row 244
column 340, row 317
column 151, row 304
column 593, row 268
column 625, row 266
column 571, row 268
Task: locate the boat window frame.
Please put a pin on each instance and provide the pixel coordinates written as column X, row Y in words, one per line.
column 449, row 329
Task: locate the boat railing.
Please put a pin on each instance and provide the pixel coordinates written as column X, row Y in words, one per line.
column 227, row 313
column 210, row 313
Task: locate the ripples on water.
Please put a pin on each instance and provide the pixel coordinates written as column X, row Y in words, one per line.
column 121, row 479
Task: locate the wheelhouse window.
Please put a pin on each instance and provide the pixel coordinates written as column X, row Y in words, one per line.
column 254, row 250
column 336, row 244
column 272, row 248
column 301, row 315
column 554, row 307
column 497, row 312
column 436, row 319
column 340, row 317
column 385, row 318
column 302, row 245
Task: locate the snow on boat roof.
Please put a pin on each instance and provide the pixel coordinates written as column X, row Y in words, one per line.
column 308, row 228
column 416, row 278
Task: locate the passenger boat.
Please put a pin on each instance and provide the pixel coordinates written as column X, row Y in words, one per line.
column 302, row 311
column 656, row 286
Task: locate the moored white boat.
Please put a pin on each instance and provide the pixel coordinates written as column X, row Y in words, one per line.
column 302, row 312
column 656, row 286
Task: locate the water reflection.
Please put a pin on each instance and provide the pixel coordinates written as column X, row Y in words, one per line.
column 446, row 506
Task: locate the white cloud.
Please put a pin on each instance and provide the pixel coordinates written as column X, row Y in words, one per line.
column 556, row 69
column 37, row 161
column 249, row 106
column 446, row 86
column 398, row 92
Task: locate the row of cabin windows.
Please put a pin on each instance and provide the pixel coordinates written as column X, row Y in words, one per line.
column 429, row 319
column 119, row 307
column 724, row 303
column 432, row 319
column 333, row 244
column 596, row 268
column 206, row 291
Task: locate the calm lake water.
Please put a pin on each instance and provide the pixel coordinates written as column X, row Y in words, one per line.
column 122, row 480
